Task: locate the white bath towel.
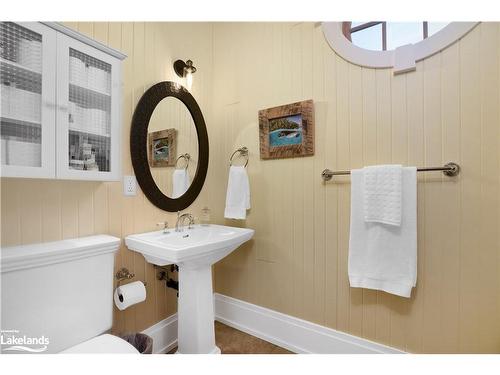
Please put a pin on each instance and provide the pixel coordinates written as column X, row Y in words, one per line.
column 381, row 256
column 180, row 182
column 238, row 193
column 382, row 194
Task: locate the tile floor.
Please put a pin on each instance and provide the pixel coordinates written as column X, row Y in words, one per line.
column 232, row 341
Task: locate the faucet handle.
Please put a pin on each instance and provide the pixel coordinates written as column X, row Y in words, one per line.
column 164, row 225
column 191, row 221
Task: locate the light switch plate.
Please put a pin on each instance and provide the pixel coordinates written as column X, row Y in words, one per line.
column 129, row 185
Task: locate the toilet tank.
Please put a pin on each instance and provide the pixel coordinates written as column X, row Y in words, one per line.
column 56, row 294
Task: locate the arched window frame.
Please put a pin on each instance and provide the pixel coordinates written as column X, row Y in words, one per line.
column 402, row 59
column 348, row 30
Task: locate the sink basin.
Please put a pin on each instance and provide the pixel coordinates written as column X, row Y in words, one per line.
column 194, row 250
column 201, row 245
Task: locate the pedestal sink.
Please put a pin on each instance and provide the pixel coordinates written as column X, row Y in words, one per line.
column 194, row 250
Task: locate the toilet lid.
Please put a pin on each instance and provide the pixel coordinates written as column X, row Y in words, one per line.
column 102, row 344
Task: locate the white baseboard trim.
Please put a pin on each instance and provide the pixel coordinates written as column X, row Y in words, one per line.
column 164, row 334
column 294, row 334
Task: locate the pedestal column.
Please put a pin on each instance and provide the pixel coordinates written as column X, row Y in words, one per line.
column 195, row 310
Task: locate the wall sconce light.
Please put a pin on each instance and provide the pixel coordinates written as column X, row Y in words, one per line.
column 185, row 70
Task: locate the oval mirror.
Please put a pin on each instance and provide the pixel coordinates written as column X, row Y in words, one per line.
column 169, row 146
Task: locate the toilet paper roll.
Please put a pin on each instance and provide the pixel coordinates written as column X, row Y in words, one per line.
column 130, row 294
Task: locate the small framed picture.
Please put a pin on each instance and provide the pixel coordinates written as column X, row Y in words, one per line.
column 287, row 131
column 161, row 148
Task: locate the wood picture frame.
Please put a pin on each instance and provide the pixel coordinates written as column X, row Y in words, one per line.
column 287, row 131
column 162, row 140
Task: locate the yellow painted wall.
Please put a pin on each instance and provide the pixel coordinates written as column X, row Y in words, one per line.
column 445, row 111
column 48, row 210
column 297, row 262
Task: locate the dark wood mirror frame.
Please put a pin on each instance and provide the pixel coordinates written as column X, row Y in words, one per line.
column 139, row 152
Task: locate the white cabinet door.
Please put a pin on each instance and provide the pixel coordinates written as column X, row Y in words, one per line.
column 88, row 115
column 28, row 96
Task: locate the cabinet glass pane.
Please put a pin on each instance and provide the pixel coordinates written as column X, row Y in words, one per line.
column 21, row 95
column 89, row 113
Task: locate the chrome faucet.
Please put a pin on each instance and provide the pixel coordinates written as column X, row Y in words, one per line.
column 179, row 225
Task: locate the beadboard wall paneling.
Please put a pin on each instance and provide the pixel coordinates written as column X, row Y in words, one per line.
column 447, row 110
column 48, row 210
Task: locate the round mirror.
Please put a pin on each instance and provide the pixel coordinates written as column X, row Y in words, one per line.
column 169, row 146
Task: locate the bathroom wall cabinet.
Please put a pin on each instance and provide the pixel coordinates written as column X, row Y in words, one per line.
column 60, row 104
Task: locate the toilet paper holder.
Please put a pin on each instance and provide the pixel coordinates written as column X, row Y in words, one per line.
column 124, row 274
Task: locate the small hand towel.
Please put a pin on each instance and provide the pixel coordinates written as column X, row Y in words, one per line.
column 382, row 194
column 180, row 182
column 238, row 193
column 384, row 257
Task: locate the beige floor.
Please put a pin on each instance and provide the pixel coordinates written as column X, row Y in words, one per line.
column 232, row 341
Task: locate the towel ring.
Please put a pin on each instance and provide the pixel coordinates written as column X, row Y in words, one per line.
column 186, row 157
column 243, row 152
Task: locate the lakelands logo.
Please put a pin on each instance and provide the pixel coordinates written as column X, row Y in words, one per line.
column 12, row 340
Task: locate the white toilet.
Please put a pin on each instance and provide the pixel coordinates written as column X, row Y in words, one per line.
column 58, row 297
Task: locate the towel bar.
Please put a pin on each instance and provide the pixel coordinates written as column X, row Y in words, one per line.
column 449, row 169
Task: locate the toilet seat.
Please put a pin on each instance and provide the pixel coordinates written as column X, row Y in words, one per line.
column 102, row 344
